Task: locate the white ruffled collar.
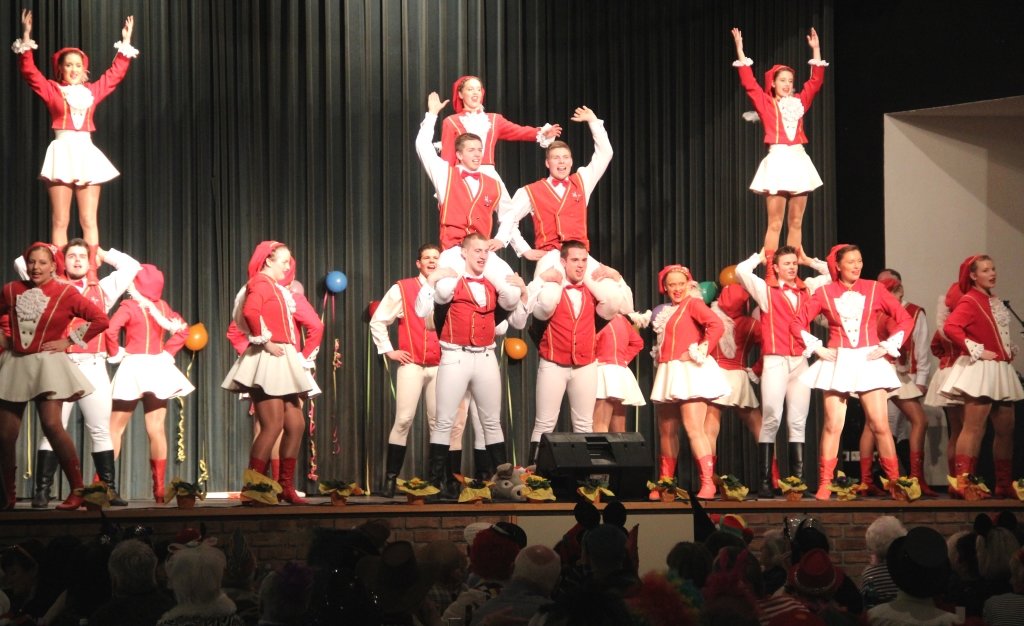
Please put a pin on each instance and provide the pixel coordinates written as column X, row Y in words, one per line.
column 478, row 123
column 1002, row 317
column 79, row 99
column 850, row 308
column 792, row 110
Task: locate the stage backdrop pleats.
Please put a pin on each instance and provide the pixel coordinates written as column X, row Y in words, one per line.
column 294, row 121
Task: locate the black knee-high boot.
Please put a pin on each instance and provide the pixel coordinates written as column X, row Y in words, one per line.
column 796, row 459
column 534, row 448
column 483, row 467
column 46, row 468
column 498, row 453
column 104, row 462
column 454, row 462
column 439, row 476
column 393, row 466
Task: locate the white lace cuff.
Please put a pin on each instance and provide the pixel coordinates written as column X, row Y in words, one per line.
column 811, row 343
column 437, row 146
column 818, row 63
column 642, row 320
column 751, row 116
column 542, row 140
column 1014, row 349
column 259, row 340
column 892, row 344
column 309, row 362
column 77, row 334
column 747, row 61
column 117, row 358
column 698, row 352
column 127, row 49
column 19, row 46
column 974, row 349
column 654, row 355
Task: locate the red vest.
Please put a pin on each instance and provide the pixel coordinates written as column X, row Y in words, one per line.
column 775, row 336
column 413, row 336
column 568, row 339
column 462, row 213
column 97, row 344
column 467, row 323
column 558, row 219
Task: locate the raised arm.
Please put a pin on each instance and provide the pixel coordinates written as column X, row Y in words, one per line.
column 593, row 171
column 750, row 281
column 435, row 166
column 737, row 38
column 812, row 41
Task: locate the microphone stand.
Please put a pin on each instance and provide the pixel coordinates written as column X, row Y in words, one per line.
column 1006, row 303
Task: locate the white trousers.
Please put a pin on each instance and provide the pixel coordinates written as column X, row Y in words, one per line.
column 604, row 290
column 95, row 407
column 553, row 380
column 780, row 385
column 412, row 381
column 476, row 373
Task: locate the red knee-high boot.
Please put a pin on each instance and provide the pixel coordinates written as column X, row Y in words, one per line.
column 158, row 467
column 826, row 469
column 275, row 469
column 775, row 472
column 10, row 486
column 1004, row 479
column 288, row 493
column 962, row 464
column 867, row 479
column 667, row 470
column 92, row 276
column 891, row 469
column 73, row 470
column 917, row 471
column 769, row 269
column 706, row 464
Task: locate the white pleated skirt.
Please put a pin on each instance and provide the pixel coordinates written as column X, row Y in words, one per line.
column 72, row 158
column 157, row 374
column 786, row 169
column 983, row 379
column 48, row 374
column 742, row 394
column 276, row 376
column 851, row 372
column 907, row 389
column 618, row 383
column 934, row 397
column 685, row 380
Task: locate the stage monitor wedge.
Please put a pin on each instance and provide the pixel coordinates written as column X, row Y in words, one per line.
column 623, row 459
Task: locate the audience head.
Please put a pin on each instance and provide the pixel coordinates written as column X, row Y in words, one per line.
column 539, row 565
column 604, row 549
column 240, row 572
column 880, row 534
column 449, row 560
column 774, row 549
column 1017, row 571
column 195, row 571
column 814, row 575
column 918, row 563
column 399, row 581
column 493, row 553
column 690, row 561
column 284, row 594
column 993, row 548
column 132, row 567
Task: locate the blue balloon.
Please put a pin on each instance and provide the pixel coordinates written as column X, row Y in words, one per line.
column 336, row 281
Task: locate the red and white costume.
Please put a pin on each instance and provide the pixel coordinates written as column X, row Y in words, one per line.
column 781, row 352
column 618, row 343
column 851, row 313
column 740, row 334
column 147, row 361
column 944, row 350
column 92, row 359
column 559, row 210
column 568, row 353
column 687, row 333
column 787, row 168
column 71, row 157
column 468, row 362
column 270, row 309
column 39, row 315
column 467, row 202
column 981, row 322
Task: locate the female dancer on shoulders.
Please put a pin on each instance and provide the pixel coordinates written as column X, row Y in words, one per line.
column 147, row 371
column 688, row 378
column 73, row 166
column 983, row 376
column 852, row 362
column 787, row 174
column 469, row 117
column 270, row 370
column 33, row 365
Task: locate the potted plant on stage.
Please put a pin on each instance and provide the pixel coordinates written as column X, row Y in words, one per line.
column 258, row 490
column 846, row 488
column 904, row 488
column 536, row 488
column 793, row 488
column 731, row 488
column 416, row 490
column 185, row 493
column 340, row 490
column 474, row 491
column 668, row 489
column 592, row 488
column 96, row 495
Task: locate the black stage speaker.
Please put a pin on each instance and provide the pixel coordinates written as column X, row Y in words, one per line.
column 622, row 459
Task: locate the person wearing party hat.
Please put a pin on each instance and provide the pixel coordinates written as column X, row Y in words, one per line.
column 983, row 376
column 146, row 369
column 74, row 167
column 786, row 175
column 852, row 362
column 33, row 366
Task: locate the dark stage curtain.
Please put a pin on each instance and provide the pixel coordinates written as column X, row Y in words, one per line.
column 288, row 120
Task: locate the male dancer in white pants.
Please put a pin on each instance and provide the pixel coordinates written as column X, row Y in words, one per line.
column 782, row 354
column 92, row 361
column 468, row 362
column 565, row 327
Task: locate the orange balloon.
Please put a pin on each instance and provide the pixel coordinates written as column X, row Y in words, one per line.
column 727, row 276
column 197, row 337
column 515, row 348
